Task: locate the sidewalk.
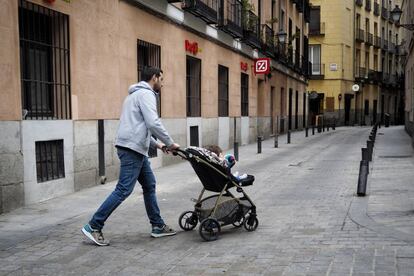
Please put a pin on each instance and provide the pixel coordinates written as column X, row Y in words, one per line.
column 310, row 221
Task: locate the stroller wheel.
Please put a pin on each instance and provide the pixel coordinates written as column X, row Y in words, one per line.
column 209, row 229
column 238, row 223
column 188, row 220
column 251, row 222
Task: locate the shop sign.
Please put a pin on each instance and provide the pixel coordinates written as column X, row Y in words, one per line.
column 244, row 66
column 192, row 47
column 262, row 66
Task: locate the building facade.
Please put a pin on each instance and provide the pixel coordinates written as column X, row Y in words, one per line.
column 66, row 67
column 408, row 18
column 360, row 46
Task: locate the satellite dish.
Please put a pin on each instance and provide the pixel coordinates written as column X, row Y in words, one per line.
column 355, row 87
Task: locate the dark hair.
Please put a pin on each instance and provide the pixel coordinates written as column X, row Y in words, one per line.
column 149, row 71
column 214, row 148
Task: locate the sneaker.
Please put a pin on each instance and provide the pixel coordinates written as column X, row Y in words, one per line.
column 158, row 232
column 94, row 235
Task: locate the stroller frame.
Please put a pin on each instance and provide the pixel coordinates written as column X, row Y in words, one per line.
column 210, row 220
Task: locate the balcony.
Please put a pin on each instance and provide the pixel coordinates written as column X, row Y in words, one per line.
column 268, row 42
column 306, row 67
column 231, row 21
column 300, row 5
column 385, row 44
column 358, row 2
column 251, row 32
column 361, row 73
column 377, row 42
column 317, row 30
column 370, row 39
column 297, row 62
column 375, row 76
column 385, row 78
column 384, row 13
column 391, row 48
column 368, row 5
column 360, row 35
column 376, row 9
column 307, row 11
column 318, row 71
column 281, row 53
column 207, row 10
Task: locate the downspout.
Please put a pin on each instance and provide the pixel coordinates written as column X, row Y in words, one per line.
column 353, row 63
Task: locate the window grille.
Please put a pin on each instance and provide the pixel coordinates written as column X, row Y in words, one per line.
column 244, row 94
column 44, row 62
column 50, row 163
column 194, row 140
column 149, row 54
column 193, row 87
column 223, row 93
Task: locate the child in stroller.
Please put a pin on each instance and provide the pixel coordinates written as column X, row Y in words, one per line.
column 222, row 207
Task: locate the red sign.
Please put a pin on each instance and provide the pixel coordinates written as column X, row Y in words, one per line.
column 262, row 66
column 191, row 47
column 243, row 66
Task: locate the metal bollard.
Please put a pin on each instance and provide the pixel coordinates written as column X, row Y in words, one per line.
column 276, row 145
column 327, row 128
column 259, row 144
column 288, row 137
column 370, row 147
column 306, row 132
column 236, row 150
column 364, row 152
column 323, row 128
column 333, row 126
column 313, row 130
column 363, row 177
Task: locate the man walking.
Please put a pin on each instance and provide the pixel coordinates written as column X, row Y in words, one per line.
column 139, row 121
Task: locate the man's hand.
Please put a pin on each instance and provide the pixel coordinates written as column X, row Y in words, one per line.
column 173, row 147
column 166, row 149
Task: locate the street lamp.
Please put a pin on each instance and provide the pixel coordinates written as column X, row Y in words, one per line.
column 396, row 16
column 281, row 35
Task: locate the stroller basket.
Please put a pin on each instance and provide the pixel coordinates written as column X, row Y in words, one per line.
column 228, row 208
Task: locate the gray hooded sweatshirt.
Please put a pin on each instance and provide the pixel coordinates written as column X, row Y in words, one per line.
column 139, row 120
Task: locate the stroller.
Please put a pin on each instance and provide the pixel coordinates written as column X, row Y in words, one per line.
column 222, row 208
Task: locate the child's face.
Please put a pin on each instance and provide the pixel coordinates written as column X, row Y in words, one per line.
column 221, row 155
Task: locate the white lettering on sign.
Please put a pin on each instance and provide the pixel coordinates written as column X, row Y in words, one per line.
column 261, row 66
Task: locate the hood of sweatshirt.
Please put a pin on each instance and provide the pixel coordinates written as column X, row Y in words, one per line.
column 141, row 85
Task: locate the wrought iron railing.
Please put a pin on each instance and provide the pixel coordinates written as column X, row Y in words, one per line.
column 360, row 35
column 318, row 71
column 385, row 44
column 231, row 18
column 384, row 13
column 205, row 9
column 368, row 5
column 376, row 9
column 268, row 40
column 370, row 39
column 251, row 26
column 361, row 73
column 377, row 41
column 317, row 30
column 358, row 2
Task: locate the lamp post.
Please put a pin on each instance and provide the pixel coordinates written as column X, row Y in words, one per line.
column 396, row 16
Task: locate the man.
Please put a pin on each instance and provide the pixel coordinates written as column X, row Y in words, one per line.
column 139, row 121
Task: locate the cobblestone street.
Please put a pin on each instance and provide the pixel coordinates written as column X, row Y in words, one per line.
column 310, row 221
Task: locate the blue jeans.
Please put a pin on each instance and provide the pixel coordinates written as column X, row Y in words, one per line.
column 134, row 166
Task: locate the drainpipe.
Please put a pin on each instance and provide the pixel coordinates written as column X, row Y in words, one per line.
column 354, row 61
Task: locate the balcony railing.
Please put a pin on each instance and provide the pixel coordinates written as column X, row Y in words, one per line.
column 205, row 9
column 384, row 13
column 375, row 76
column 385, row 78
column 368, row 5
column 317, row 30
column 361, row 73
column 268, row 40
column 370, row 39
column 391, row 48
column 318, row 71
column 306, row 66
column 251, row 32
column 281, row 53
column 376, row 9
column 299, row 5
column 307, row 11
column 385, row 44
column 358, row 2
column 377, row 42
column 360, row 35
column 298, row 63
column 231, row 20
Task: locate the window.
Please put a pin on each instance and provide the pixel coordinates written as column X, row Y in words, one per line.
column 315, row 59
column 223, row 91
column 282, row 20
column 193, row 87
column 296, row 109
column 244, row 94
column 49, row 160
column 315, row 20
column 149, row 54
column 194, row 141
column 366, row 108
column 44, row 62
column 367, row 60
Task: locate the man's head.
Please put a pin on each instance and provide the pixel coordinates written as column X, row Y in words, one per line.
column 154, row 77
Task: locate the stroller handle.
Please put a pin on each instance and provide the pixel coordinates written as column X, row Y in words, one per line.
column 175, row 152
